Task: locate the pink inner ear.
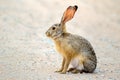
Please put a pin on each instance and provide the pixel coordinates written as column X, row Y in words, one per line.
column 68, row 14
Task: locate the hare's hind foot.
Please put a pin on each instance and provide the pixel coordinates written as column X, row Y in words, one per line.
column 70, row 69
column 74, row 70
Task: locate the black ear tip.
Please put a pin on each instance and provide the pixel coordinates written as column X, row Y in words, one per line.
column 76, row 7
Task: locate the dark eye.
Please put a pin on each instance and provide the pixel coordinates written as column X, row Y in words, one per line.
column 53, row 28
column 59, row 25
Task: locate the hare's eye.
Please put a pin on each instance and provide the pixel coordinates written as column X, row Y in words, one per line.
column 59, row 25
column 53, row 28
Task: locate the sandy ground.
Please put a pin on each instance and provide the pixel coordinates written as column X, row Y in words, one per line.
column 27, row 54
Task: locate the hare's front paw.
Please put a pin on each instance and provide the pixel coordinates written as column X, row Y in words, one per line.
column 63, row 72
column 59, row 70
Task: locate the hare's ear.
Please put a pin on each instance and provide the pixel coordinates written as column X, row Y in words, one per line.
column 69, row 14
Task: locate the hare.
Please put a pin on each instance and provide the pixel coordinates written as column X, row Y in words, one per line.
column 74, row 49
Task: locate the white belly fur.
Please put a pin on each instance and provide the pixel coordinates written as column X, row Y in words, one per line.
column 75, row 62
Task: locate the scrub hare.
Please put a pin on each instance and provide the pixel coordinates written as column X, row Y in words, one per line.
column 75, row 49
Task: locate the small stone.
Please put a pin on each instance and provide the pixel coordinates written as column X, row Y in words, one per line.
column 102, row 75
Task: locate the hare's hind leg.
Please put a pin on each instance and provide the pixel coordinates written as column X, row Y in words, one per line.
column 89, row 66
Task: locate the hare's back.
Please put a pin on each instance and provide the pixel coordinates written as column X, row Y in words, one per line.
column 79, row 43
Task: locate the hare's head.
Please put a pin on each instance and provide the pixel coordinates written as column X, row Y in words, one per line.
column 57, row 30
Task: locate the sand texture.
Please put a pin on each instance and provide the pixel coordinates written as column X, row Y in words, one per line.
column 27, row 54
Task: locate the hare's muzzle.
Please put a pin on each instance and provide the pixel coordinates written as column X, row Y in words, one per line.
column 47, row 34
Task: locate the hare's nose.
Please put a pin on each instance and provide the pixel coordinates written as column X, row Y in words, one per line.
column 47, row 33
